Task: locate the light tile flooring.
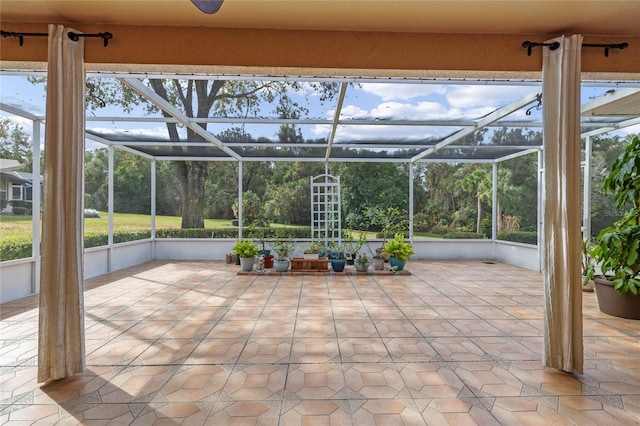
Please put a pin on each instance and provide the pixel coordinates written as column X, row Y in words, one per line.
column 193, row 343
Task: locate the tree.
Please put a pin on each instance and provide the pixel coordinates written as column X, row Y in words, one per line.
column 15, row 143
column 477, row 180
column 202, row 99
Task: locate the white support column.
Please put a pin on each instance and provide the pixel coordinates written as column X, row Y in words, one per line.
column 239, row 200
column 494, row 202
column 36, row 201
column 541, row 210
column 153, row 208
column 411, row 202
column 110, row 209
column 586, row 201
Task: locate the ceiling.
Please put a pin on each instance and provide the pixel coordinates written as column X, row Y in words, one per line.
column 587, row 17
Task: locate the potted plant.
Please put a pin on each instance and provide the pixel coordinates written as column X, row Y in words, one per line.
column 283, row 247
column 398, row 251
column 587, row 245
column 247, row 252
column 352, row 246
column 338, row 259
column 362, row 262
column 316, row 249
column 617, row 248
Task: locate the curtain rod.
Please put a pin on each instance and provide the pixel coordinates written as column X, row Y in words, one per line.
column 553, row 46
column 73, row 36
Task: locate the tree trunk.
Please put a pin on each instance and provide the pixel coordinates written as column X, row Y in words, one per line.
column 192, row 176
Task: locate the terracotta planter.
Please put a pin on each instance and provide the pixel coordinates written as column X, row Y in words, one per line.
column 613, row 303
column 268, row 261
column 378, row 263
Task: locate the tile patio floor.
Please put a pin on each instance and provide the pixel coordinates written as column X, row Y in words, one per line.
column 193, row 343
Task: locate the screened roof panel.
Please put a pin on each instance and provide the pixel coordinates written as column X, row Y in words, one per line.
column 374, row 153
column 471, row 153
column 167, row 150
column 288, row 118
column 280, row 152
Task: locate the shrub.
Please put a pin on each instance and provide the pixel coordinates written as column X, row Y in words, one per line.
column 125, row 236
column 91, row 213
column 439, row 230
column 486, row 225
column 21, row 211
column 21, row 204
column 519, row 237
column 95, row 239
column 463, row 235
column 15, row 249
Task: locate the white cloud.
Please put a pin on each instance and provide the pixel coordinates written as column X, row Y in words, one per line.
column 485, row 96
column 396, row 91
column 390, row 133
column 631, row 130
column 408, row 111
column 159, row 132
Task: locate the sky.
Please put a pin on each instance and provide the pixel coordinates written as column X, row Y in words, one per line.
column 379, row 101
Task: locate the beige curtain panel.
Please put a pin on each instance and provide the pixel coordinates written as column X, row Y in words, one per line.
column 61, row 327
column 563, row 347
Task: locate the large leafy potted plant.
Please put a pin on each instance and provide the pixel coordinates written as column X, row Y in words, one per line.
column 398, row 251
column 617, row 248
column 247, row 252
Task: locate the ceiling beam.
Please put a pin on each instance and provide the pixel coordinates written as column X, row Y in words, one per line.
column 483, row 122
column 182, row 118
column 617, row 126
column 336, row 119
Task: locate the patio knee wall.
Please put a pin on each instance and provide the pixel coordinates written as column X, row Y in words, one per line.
column 18, row 277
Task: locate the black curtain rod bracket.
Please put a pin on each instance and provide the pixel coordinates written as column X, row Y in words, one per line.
column 607, row 46
column 553, row 46
column 21, row 36
column 104, row 36
column 73, row 36
column 531, row 44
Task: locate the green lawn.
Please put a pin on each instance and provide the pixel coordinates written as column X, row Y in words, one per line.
column 16, row 227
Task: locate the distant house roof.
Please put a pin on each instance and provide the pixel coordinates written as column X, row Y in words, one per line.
column 9, row 165
column 22, row 178
column 13, row 177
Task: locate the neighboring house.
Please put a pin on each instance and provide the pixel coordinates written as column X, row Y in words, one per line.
column 14, row 185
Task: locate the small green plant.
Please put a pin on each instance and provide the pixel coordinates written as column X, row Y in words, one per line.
column 587, row 246
column 283, row 247
column 398, row 248
column 336, row 251
column 617, row 248
column 245, row 248
column 315, row 247
column 362, row 259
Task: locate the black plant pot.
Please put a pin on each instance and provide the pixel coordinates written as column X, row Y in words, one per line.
column 612, row 303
